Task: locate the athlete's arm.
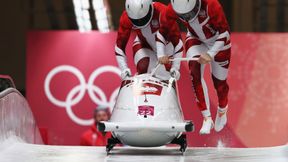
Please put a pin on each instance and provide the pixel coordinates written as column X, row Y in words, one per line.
column 123, row 36
column 220, row 24
column 169, row 32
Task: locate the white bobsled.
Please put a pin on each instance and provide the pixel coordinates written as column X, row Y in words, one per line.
column 147, row 113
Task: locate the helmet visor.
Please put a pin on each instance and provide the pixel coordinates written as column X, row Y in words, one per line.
column 192, row 14
column 143, row 21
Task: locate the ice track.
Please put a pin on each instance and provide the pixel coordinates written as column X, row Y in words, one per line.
column 37, row 153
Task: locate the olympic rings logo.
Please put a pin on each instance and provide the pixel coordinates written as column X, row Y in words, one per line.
column 93, row 91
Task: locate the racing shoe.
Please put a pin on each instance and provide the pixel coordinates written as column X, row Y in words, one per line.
column 221, row 119
column 207, row 126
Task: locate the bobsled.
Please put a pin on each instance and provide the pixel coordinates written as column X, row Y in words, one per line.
column 147, row 113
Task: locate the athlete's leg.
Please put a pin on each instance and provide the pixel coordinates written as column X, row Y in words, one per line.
column 198, row 82
column 219, row 68
column 141, row 56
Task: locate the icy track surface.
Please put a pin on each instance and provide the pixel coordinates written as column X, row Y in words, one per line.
column 39, row 153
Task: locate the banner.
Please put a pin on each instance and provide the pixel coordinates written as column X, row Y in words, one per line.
column 69, row 74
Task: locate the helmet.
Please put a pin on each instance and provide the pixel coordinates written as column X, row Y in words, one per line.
column 140, row 12
column 187, row 10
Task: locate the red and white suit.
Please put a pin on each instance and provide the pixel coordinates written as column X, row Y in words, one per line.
column 208, row 33
column 93, row 137
column 144, row 47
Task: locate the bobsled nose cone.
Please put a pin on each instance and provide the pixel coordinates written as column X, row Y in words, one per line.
column 189, row 127
column 101, row 127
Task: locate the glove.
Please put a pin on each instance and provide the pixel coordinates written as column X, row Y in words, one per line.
column 125, row 74
column 175, row 73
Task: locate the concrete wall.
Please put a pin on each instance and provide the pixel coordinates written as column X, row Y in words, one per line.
column 14, row 20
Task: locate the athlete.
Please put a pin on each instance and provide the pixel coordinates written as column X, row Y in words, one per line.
column 93, row 137
column 208, row 38
column 143, row 18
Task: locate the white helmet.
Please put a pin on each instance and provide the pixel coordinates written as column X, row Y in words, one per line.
column 187, row 10
column 140, row 12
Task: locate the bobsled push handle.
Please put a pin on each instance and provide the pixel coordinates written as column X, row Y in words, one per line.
column 155, row 69
column 172, row 60
column 184, row 59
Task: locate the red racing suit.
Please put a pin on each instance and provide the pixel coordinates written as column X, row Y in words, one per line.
column 93, row 137
column 144, row 47
column 208, row 33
